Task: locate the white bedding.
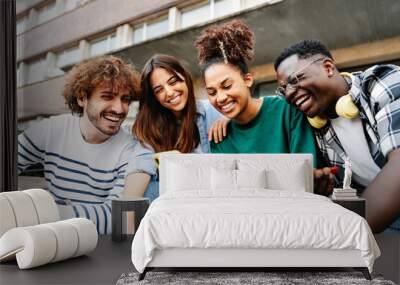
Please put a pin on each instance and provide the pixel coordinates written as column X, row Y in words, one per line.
column 252, row 218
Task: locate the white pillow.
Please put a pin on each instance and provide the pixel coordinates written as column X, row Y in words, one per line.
column 251, row 178
column 223, row 179
column 184, row 175
column 281, row 174
column 236, row 179
column 293, row 180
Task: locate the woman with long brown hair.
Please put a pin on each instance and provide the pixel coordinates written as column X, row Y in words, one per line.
column 170, row 118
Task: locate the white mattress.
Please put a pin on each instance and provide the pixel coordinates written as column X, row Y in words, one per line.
column 253, row 218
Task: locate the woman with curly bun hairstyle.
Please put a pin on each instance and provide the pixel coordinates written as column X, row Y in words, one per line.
column 266, row 125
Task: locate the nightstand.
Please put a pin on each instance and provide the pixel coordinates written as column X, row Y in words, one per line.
column 124, row 206
column 357, row 205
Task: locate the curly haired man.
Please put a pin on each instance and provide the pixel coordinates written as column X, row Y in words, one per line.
column 85, row 154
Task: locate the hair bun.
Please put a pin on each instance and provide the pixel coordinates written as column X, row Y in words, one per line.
column 237, row 40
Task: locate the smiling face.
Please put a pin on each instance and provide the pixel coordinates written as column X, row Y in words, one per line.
column 228, row 89
column 307, row 84
column 170, row 90
column 106, row 109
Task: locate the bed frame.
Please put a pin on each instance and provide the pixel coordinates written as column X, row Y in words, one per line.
column 242, row 259
column 246, row 258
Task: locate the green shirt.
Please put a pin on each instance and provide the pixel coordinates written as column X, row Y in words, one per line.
column 278, row 128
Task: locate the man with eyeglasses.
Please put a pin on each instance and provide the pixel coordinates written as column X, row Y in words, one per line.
column 354, row 116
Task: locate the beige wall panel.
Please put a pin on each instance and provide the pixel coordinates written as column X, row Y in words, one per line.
column 42, row 98
column 368, row 53
column 363, row 54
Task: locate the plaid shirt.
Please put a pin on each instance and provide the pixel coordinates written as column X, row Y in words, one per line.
column 376, row 93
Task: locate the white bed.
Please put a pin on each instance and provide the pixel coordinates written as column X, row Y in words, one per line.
column 247, row 211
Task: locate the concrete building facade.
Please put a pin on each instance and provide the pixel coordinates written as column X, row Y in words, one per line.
column 52, row 35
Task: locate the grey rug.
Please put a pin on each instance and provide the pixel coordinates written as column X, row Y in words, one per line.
column 231, row 278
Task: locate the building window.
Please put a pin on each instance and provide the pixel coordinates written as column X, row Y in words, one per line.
column 252, row 3
column 46, row 12
column 157, row 28
column 205, row 11
column 67, row 57
column 71, row 4
column 195, row 14
column 223, row 7
column 22, row 25
column 265, row 89
column 138, row 34
column 103, row 45
column 150, row 30
column 36, row 70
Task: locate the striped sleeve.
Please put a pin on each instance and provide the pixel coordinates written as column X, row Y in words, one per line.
column 99, row 213
column 29, row 152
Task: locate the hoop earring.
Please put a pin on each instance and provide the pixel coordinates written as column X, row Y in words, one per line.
column 344, row 107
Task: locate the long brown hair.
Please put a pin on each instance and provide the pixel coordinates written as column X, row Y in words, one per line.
column 156, row 125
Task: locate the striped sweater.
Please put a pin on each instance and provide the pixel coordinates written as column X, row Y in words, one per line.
column 82, row 177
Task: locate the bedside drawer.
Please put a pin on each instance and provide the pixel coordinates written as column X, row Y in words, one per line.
column 356, row 205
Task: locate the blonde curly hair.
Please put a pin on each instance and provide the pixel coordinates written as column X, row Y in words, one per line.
column 86, row 76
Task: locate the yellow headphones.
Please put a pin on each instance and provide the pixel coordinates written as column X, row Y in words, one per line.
column 344, row 108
